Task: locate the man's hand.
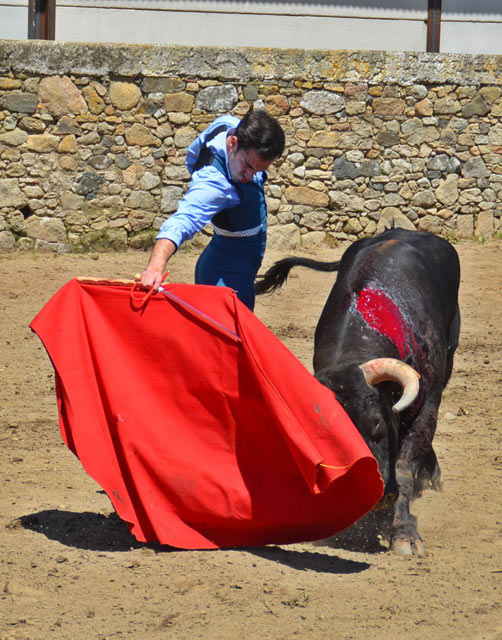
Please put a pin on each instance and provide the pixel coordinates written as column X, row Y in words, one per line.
column 152, row 275
column 151, row 278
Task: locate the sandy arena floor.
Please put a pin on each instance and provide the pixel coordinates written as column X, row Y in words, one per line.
column 71, row 570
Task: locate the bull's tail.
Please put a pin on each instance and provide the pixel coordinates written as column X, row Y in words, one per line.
column 278, row 272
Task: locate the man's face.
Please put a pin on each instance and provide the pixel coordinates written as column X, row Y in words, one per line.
column 244, row 163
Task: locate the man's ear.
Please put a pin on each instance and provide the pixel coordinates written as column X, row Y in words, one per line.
column 231, row 143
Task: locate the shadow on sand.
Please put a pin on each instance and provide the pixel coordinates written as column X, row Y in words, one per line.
column 83, row 530
column 98, row 532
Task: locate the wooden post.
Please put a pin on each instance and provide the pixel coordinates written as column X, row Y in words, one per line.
column 434, row 26
column 42, row 19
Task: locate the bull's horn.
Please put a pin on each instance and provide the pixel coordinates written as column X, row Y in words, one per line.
column 383, row 369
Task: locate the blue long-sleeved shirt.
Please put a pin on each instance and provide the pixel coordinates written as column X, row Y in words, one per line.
column 209, row 192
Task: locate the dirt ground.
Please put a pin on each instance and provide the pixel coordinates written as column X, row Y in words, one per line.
column 71, row 570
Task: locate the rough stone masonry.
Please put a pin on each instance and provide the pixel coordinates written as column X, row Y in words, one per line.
column 93, row 140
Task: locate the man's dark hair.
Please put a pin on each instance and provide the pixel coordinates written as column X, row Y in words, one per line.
column 261, row 132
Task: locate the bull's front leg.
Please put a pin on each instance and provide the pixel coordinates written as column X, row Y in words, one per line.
column 405, row 538
column 415, row 448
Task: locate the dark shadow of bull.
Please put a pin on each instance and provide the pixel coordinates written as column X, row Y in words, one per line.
column 384, row 344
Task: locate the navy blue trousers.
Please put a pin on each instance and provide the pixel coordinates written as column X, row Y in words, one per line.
column 232, row 262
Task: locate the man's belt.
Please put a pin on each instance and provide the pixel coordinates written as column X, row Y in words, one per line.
column 246, row 233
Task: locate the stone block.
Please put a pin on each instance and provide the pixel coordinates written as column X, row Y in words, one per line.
column 313, row 239
column 475, row 168
column 42, row 143
column 94, row 101
column 307, row 196
column 430, row 223
column 124, row 95
column 60, row 96
column 424, row 107
column 89, row 185
column 325, row 139
column 218, row 99
column 176, row 173
column 143, row 240
column 447, row 106
column 344, row 169
column 7, row 240
column 140, row 135
column 142, row 200
column 352, row 227
column 25, row 244
column 424, row 199
column 7, row 84
column 67, row 125
column 46, row 229
column 447, row 192
column 19, row 103
column 10, row 193
column 389, row 107
column 14, row 138
column 484, row 227
column 141, row 220
column 322, row 103
column 476, row 107
column 163, row 85
column 184, row 137
column 390, row 218
column 283, row 237
column 315, row 220
column 465, row 226
column 182, row 102
column 16, row 222
column 388, row 138
column 277, row 105
column 170, row 198
column 68, row 145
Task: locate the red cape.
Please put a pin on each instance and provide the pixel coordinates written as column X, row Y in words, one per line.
column 202, row 428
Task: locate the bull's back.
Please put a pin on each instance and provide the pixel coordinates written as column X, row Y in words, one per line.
column 398, row 281
column 401, row 250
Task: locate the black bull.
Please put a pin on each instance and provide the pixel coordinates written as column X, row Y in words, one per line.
column 392, row 314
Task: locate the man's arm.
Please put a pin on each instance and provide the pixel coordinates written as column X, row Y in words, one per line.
column 162, row 251
column 209, row 193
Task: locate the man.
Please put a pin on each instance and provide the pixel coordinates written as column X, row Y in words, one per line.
column 227, row 163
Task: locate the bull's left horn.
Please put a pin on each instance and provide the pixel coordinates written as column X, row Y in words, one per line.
column 383, row 369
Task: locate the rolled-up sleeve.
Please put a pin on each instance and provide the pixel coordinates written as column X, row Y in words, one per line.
column 208, row 194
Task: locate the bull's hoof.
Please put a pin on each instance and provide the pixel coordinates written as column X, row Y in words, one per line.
column 407, row 547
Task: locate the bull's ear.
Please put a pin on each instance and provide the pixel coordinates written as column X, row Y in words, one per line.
column 331, row 382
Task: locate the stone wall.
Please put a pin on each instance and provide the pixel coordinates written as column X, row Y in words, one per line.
column 93, row 140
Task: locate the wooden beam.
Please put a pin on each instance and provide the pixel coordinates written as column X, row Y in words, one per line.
column 42, row 19
column 434, row 26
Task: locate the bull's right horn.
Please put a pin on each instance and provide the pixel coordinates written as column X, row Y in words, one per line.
column 383, row 369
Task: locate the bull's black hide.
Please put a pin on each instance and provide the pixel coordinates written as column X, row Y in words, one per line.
column 395, row 297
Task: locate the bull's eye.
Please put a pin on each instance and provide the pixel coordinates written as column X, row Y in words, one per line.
column 377, row 432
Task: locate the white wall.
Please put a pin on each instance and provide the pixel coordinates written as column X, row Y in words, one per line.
column 13, row 19
column 471, row 27
column 471, row 37
column 262, row 25
column 392, row 25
